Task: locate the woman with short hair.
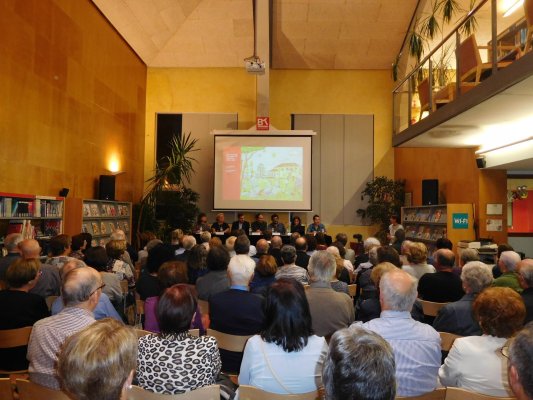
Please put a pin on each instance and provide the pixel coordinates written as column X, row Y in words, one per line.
column 417, row 256
column 264, row 274
column 173, row 361
column 286, row 358
column 476, row 363
column 98, row 362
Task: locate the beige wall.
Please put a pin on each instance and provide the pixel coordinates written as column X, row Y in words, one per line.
column 73, row 97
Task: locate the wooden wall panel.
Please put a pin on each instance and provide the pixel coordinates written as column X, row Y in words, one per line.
column 73, row 97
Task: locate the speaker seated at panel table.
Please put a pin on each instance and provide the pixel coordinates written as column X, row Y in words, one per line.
column 106, row 187
column 430, row 192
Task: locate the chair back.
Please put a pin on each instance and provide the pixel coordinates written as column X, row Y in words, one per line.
column 528, row 12
column 50, row 300
column 352, row 290
column 446, row 340
column 229, row 342
column 15, row 337
column 431, row 308
column 194, row 332
column 6, row 390
column 204, row 306
column 252, row 393
column 423, row 94
column 31, row 391
column 437, row 394
column 211, row 392
column 142, row 332
column 469, row 59
column 454, row 393
column 124, row 286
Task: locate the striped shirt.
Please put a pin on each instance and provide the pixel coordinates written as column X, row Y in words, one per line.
column 46, row 338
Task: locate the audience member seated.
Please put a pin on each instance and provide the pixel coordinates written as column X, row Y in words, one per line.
column 475, row 363
column 96, row 257
column 18, row 308
column 363, row 258
column 348, row 276
column 311, row 244
column 289, row 268
column 467, row 255
column 416, row 345
column 275, row 249
column 215, row 242
column 115, row 250
column 201, row 224
column 77, row 246
column 440, row 243
column 205, row 237
column 501, row 248
column 49, row 282
column 11, row 242
column 330, row 310
column 525, row 278
column 170, row 273
column 443, row 286
column 507, row 265
column 389, row 254
column 98, row 362
column 296, row 225
column 405, row 250
column 148, row 284
column 262, row 247
column 365, row 287
column 360, row 365
column 302, row 258
column 275, row 226
column 417, row 254
column 149, row 246
column 216, row 280
column 345, row 277
column 337, row 284
column 104, row 308
column 259, row 225
column 129, row 255
column 264, row 275
column 342, row 238
column 286, row 358
column 519, row 364
column 242, row 251
column 458, row 317
column 320, row 241
column 58, row 251
column 81, row 290
column 188, row 242
column 174, row 361
column 230, row 245
column 236, row 311
column 219, row 226
column 176, row 241
column 145, row 238
column 399, row 238
column 197, row 263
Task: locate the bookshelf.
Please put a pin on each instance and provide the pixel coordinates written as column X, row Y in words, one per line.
column 97, row 217
column 35, row 217
column 428, row 223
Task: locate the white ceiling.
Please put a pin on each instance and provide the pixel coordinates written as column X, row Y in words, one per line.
column 306, row 34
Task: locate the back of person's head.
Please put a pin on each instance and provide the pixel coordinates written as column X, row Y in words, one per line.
column 145, row 237
column 266, row 266
column 378, row 271
column 188, row 242
column 370, row 242
column 288, row 254
column 468, row 255
column 262, row 246
column 158, row 255
column 321, row 266
column 320, row 238
column 500, row 311
column 443, row 243
column 334, row 250
column 340, row 247
column 520, row 362
column 115, row 249
column 373, row 255
column 215, row 242
column 525, row 271
column 417, row 253
column 29, row 248
column 287, row 316
column 294, row 237
column 88, row 238
column 77, row 242
column 11, row 242
column 300, row 244
column 71, row 264
column 58, row 245
column 152, row 243
column 118, row 234
column 240, row 272
column 398, row 291
column 78, row 285
column 504, row 247
column 359, row 366
column 242, row 245
column 390, row 255
column 97, row 363
column 445, row 259
column 399, row 235
column 96, row 257
column 22, row 272
column 230, row 243
column 217, row 259
column 176, row 236
column 205, row 236
column 311, row 242
column 509, row 259
column 476, row 277
column 276, row 242
column 198, row 257
column 171, row 273
column 342, row 238
column 176, row 308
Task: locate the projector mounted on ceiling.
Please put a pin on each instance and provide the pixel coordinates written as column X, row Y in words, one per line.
column 254, row 65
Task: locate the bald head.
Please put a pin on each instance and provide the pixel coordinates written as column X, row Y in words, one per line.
column 525, row 273
column 301, row 244
column 12, row 241
column 79, row 284
column 445, row 259
column 397, row 291
column 262, row 246
column 30, row 248
column 276, row 242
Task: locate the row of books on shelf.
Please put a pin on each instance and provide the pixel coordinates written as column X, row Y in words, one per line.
column 425, row 215
column 105, row 210
column 35, row 208
column 105, row 227
column 25, row 227
column 425, row 232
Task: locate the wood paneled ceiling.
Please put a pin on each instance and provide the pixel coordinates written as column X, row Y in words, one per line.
column 306, row 34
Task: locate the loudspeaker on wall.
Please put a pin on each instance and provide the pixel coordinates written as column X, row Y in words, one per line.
column 106, row 187
column 430, row 192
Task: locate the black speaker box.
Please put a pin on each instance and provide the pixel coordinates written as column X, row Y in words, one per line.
column 430, row 192
column 106, row 187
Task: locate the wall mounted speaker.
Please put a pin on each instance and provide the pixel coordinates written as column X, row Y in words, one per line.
column 63, row 192
column 481, row 162
column 430, row 192
column 106, row 187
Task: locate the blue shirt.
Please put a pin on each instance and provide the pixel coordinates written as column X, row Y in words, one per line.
column 416, row 349
column 315, row 228
column 104, row 308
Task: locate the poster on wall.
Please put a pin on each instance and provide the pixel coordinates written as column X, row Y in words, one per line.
column 494, row 225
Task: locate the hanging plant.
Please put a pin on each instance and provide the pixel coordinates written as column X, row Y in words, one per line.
column 471, row 24
column 449, row 9
column 430, row 25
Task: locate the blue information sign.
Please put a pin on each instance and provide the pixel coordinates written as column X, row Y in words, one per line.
column 460, row 220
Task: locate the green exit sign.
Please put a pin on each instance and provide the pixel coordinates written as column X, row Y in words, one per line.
column 460, row 220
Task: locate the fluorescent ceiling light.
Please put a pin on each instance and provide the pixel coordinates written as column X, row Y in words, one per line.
column 506, row 146
column 513, row 8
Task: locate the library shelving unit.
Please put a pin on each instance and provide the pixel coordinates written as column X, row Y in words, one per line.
column 97, row 217
column 428, row 223
column 35, row 217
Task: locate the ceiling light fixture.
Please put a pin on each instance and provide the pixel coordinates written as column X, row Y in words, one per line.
column 485, row 151
column 513, row 7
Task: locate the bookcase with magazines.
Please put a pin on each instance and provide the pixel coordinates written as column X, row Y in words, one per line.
column 100, row 218
column 427, row 224
column 33, row 216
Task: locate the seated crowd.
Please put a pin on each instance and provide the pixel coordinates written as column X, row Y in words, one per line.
column 290, row 299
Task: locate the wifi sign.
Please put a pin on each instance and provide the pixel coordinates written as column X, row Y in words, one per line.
column 460, row 220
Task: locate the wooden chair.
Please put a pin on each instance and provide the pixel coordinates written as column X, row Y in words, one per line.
column 446, row 340
column 50, row 300
column 229, row 342
column 454, row 393
column 31, row 391
column 194, row 332
column 252, row 393
column 124, row 286
column 437, row 394
column 6, row 390
column 352, row 290
column 423, row 97
column 139, row 311
column 431, row 308
column 211, row 392
column 10, row 338
column 204, row 307
column 528, row 12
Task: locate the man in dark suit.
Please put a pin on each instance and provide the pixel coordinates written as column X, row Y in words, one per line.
column 302, row 258
column 259, row 225
column 442, row 286
column 240, row 224
column 236, row 311
column 525, row 278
